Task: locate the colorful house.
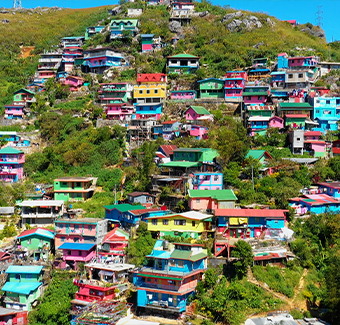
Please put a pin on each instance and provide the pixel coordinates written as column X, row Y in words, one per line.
column 187, row 224
column 13, row 316
column 211, row 200
column 255, row 95
column 198, row 131
column 206, row 181
column 152, row 78
column 157, row 131
column 23, row 286
column 11, row 164
column 75, row 83
column 327, row 113
column 303, row 61
column 314, row 145
column 282, row 61
column 234, row 83
column 75, row 253
column 41, row 212
column 258, row 120
column 100, row 59
column 171, row 129
column 258, row 74
column 73, row 188
column 248, row 223
column 330, row 188
column 260, row 62
column 119, row 111
column 278, row 79
column 295, row 109
column 117, row 26
column 183, row 95
column 296, row 120
column 50, row 61
column 70, row 54
column 183, row 63
column 114, row 243
column 164, row 153
column 143, row 198
column 39, row 241
column 149, row 93
column 14, row 112
column 276, row 122
column 80, row 230
column 300, row 78
column 261, row 155
column 166, row 285
column 23, row 96
column 148, row 111
column 211, row 88
column 150, row 43
column 71, row 41
column 132, row 218
column 116, row 92
column 315, row 203
column 202, row 155
column 183, row 5
column 336, row 148
column 197, row 113
column 91, row 31
column 118, row 212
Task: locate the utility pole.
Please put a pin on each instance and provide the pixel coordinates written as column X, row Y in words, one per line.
column 115, row 194
column 319, row 16
column 16, row 4
column 252, row 174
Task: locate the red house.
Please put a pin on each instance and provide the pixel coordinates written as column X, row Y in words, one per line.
column 114, row 243
column 154, row 78
column 12, row 316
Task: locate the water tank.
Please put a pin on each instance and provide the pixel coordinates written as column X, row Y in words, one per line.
column 165, row 245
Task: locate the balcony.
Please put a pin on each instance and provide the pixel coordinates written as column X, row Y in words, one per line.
column 165, row 305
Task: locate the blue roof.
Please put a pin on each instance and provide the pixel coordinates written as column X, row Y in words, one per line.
column 24, row 269
column 259, row 70
column 235, row 71
column 37, row 232
column 159, row 254
column 328, row 118
column 24, row 288
column 147, row 35
column 277, row 72
column 77, row 246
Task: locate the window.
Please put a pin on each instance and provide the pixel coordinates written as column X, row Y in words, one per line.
column 257, row 219
column 260, row 97
column 205, row 177
column 317, row 111
column 180, row 263
column 76, row 227
column 248, row 97
column 198, row 200
column 75, row 240
column 141, row 92
column 165, row 222
column 156, row 91
column 215, row 178
column 180, row 222
column 337, row 101
column 60, row 226
column 290, row 76
column 300, row 75
column 148, row 279
column 68, row 252
column 62, row 239
column 328, row 101
column 78, row 184
column 154, row 222
column 79, row 253
column 193, row 223
column 148, row 91
column 172, row 263
column 18, row 276
column 90, row 228
column 28, row 276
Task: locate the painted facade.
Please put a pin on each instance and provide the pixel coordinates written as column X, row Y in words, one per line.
column 171, row 129
column 91, row 31
column 11, row 164
column 148, row 111
column 73, row 82
column 255, row 95
column 149, row 94
column 327, row 113
column 183, row 95
column 119, row 111
column 118, row 92
column 183, row 63
column 303, row 61
column 198, row 131
column 211, row 88
column 142, row 198
column 197, row 113
column 73, row 188
column 75, row 253
column 118, row 26
column 14, row 112
column 207, row 181
column 115, row 243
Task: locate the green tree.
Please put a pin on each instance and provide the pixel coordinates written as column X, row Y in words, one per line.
column 244, row 252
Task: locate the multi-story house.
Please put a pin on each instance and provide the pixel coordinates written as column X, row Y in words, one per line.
column 151, row 43
column 206, row 181
column 196, row 114
column 14, row 111
column 143, row 198
column 149, row 93
column 259, row 74
column 234, row 82
column 41, row 212
column 327, row 113
column 114, row 244
column 198, row 131
column 100, row 59
column 50, row 61
column 152, row 79
column 119, row 111
column 282, row 61
column 187, row 224
column 73, row 188
column 260, row 62
column 210, row 200
column 148, row 111
column 74, row 82
column 171, row 129
column 303, row 62
column 118, row 212
column 296, row 114
column 91, row 31
column 248, row 223
column 255, row 95
column 23, row 97
column 117, row 92
column 300, row 78
column 297, row 141
column 69, row 56
column 75, row 253
column 212, row 88
column 80, row 230
column 314, row 145
column 117, row 26
column 71, row 41
column 166, row 286
column 23, row 287
column 278, row 79
column 132, row 218
column 187, row 5
column 11, row 164
column 259, row 118
column 183, row 63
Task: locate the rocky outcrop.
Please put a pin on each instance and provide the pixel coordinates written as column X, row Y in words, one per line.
column 200, row 14
column 233, row 15
column 314, row 32
column 236, row 25
column 175, row 26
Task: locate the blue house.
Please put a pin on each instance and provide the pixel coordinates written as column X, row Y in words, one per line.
column 327, row 113
column 331, row 189
column 316, row 203
column 157, row 131
column 118, row 212
column 278, row 78
column 133, row 217
column 282, row 61
column 175, row 270
column 171, row 129
column 146, row 111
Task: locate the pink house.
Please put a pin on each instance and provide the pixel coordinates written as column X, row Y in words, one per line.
column 183, row 94
column 46, row 74
column 119, row 111
column 197, row 113
column 74, row 82
column 75, row 253
column 199, row 131
column 276, row 122
column 11, row 164
column 114, row 243
column 236, row 74
column 14, row 111
column 314, row 145
column 302, row 61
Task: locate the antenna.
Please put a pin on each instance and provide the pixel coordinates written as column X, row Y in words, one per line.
column 319, row 16
column 17, row 4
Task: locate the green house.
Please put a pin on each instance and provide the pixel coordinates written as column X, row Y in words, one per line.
column 295, row 109
column 23, row 95
column 23, row 287
column 117, row 26
column 73, row 188
column 38, row 242
column 206, row 155
column 260, row 155
column 211, row 88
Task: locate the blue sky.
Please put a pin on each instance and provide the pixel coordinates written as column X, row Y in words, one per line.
column 301, row 10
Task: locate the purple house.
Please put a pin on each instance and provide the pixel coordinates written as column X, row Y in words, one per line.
column 197, row 113
column 75, row 253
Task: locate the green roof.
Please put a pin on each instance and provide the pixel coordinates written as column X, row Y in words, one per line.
column 200, row 110
column 124, row 207
column 9, row 150
column 255, row 93
column 220, row 195
column 183, row 55
column 295, row 105
column 197, row 257
column 178, row 253
column 185, row 164
column 26, row 90
column 134, row 22
column 256, row 154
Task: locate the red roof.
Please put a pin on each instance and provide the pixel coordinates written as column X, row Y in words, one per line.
column 312, row 133
column 250, row 213
column 111, row 236
column 143, row 211
column 4, row 256
column 316, row 142
column 150, row 77
column 335, row 185
column 168, row 149
column 296, row 115
column 169, row 122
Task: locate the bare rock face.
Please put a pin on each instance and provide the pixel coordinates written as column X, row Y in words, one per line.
column 270, row 22
column 201, row 14
column 175, row 26
column 249, row 23
column 227, row 17
column 235, row 25
column 5, row 21
column 317, row 33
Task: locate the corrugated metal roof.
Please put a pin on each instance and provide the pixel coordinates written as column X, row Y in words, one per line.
column 181, row 254
column 250, row 213
column 39, row 232
column 198, row 256
column 221, row 195
column 76, row 246
column 24, row 269
column 24, row 288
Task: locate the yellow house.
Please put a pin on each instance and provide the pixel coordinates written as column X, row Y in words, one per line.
column 188, row 224
column 144, row 94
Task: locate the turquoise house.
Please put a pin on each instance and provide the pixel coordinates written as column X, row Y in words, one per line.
column 23, row 287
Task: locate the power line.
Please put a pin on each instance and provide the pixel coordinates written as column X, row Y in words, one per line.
column 319, row 16
column 16, row 3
